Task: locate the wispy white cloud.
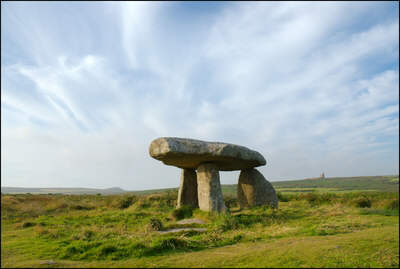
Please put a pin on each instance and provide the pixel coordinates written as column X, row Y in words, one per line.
column 311, row 86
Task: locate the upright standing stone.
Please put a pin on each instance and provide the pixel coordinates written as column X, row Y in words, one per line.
column 187, row 194
column 254, row 189
column 209, row 188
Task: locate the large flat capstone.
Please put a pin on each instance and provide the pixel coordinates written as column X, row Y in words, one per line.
column 190, row 153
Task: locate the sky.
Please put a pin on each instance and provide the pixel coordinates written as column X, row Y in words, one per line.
column 86, row 87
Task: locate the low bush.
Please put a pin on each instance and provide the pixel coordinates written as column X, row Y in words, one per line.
column 107, row 250
column 167, row 244
column 282, row 197
column 125, row 201
column 162, row 201
column 317, row 198
column 362, row 202
column 28, row 224
column 81, row 250
column 142, row 203
column 392, row 204
column 226, row 222
column 155, row 225
column 182, row 212
column 81, row 207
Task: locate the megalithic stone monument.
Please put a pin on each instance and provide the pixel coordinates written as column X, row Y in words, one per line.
column 187, row 194
column 254, row 189
column 208, row 158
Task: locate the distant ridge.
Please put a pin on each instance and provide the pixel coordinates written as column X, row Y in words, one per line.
column 113, row 190
column 378, row 183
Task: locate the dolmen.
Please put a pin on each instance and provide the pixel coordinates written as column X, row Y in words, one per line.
column 201, row 162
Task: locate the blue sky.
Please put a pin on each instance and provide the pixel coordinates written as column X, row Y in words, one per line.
column 86, row 87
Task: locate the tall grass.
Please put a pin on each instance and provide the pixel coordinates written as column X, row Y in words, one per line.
column 117, row 227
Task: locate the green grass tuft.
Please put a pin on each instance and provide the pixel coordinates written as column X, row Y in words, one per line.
column 155, row 225
column 362, row 202
column 182, row 212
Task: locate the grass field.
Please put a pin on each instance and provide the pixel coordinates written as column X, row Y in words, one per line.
column 313, row 227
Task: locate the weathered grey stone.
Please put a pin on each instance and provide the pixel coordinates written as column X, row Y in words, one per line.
column 253, row 189
column 190, row 153
column 209, row 188
column 187, row 194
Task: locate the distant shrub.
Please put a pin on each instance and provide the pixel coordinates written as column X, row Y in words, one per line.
column 317, row 198
column 156, row 197
column 81, row 207
column 137, row 249
column 392, row 204
column 107, row 250
column 142, row 203
column 362, row 202
column 56, row 206
column 327, row 197
column 237, row 237
column 162, row 201
column 28, row 224
column 312, row 198
column 282, row 197
column 126, row 201
column 70, row 251
column 182, row 212
column 155, row 225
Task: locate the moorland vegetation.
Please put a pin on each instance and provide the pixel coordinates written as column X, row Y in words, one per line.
column 313, row 228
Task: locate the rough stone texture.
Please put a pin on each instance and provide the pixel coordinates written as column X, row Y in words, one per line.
column 187, row 194
column 209, row 188
column 253, row 189
column 190, row 153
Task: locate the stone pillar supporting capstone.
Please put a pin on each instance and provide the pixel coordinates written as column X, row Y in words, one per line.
column 187, row 194
column 254, row 190
column 209, row 188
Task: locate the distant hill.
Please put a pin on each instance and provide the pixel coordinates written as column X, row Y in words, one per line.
column 114, row 190
column 365, row 183
column 109, row 191
column 378, row 183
